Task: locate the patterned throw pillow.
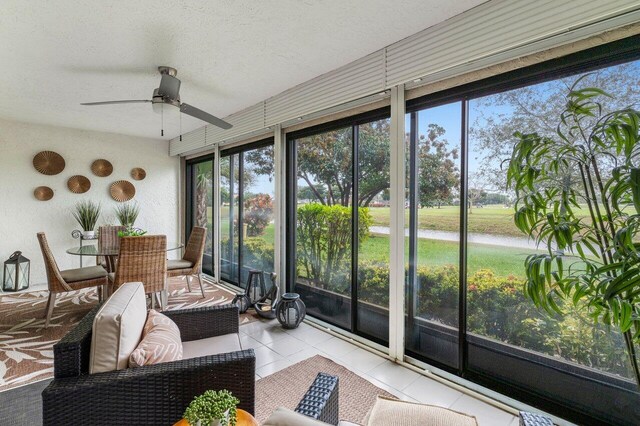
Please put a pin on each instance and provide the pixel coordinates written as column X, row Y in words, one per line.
column 160, row 342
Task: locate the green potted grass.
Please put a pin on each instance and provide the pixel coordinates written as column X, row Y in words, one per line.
column 127, row 213
column 87, row 214
column 212, row 408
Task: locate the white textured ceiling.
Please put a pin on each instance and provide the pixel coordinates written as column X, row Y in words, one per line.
column 229, row 54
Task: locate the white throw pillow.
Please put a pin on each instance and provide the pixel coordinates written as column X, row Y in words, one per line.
column 117, row 328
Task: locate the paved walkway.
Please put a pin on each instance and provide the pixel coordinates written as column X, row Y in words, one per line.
column 488, row 239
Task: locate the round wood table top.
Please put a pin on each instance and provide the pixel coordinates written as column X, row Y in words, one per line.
column 243, row 419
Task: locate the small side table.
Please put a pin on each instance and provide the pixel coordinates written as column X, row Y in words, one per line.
column 243, row 419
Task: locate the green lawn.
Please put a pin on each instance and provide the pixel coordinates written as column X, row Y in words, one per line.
column 490, row 219
column 502, row 260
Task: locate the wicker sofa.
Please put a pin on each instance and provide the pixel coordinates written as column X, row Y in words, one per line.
column 149, row 395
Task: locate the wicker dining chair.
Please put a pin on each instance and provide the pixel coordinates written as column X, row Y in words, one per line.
column 69, row 279
column 191, row 263
column 143, row 259
column 108, row 237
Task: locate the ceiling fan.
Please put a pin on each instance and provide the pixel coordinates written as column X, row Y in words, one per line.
column 169, row 93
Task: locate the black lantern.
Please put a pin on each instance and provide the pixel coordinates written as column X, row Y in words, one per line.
column 242, row 302
column 17, row 270
column 290, row 310
column 256, row 288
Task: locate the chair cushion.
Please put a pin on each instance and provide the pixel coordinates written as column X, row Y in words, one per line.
column 211, row 346
column 285, row 417
column 178, row 264
column 160, row 342
column 393, row 412
column 83, row 274
column 117, row 328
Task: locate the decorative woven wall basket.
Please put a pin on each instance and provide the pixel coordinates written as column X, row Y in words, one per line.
column 43, row 193
column 48, row 163
column 138, row 173
column 101, row 168
column 122, row 190
column 78, row 184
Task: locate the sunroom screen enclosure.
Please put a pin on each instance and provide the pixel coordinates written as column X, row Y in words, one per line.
column 464, row 308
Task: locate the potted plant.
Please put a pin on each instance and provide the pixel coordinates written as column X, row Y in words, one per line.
column 87, row 213
column 127, row 213
column 131, row 232
column 212, row 408
column 589, row 166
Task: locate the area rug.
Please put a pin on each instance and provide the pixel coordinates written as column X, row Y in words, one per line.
column 26, row 347
column 286, row 387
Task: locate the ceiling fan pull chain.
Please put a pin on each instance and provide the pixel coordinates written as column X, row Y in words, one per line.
column 180, row 125
column 162, row 120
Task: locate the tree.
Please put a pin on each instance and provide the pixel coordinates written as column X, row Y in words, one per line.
column 499, row 116
column 438, row 175
column 604, row 251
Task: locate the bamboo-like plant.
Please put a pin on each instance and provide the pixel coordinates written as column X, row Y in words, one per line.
column 87, row 214
column 591, row 163
column 127, row 213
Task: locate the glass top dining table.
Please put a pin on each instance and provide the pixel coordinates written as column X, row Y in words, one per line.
column 96, row 250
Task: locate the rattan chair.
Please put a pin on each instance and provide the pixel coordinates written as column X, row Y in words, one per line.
column 143, row 259
column 191, row 263
column 69, row 279
column 108, row 237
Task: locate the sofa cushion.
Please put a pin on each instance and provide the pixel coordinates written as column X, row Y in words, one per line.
column 285, row 417
column 160, row 342
column 393, row 412
column 178, row 264
column 117, row 328
column 83, row 274
column 211, row 346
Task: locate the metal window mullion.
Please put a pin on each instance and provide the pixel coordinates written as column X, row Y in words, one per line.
column 280, row 251
column 354, row 227
column 291, row 203
column 462, row 296
column 217, row 203
column 412, row 281
column 240, row 214
column 397, row 193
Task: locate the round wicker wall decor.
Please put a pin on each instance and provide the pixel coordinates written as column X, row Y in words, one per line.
column 43, row 193
column 138, row 173
column 48, row 163
column 122, row 190
column 101, row 168
column 78, row 184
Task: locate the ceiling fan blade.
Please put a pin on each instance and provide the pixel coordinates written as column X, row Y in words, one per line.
column 204, row 116
column 131, row 101
column 169, row 87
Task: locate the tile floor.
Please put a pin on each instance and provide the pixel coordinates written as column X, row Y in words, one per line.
column 277, row 348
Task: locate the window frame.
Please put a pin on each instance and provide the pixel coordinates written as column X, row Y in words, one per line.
column 291, row 203
column 590, row 382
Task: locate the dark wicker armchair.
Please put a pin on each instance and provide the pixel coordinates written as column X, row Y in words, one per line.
column 151, row 395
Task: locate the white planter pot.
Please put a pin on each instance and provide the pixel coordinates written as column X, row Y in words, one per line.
column 88, row 234
column 222, row 422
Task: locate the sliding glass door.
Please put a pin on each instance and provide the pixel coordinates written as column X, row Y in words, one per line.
column 199, row 209
column 467, row 310
column 433, row 292
column 338, row 251
column 247, row 191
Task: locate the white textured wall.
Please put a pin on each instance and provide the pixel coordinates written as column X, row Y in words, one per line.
column 22, row 216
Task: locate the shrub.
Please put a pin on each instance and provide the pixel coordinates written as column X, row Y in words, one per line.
column 258, row 213
column 323, row 237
